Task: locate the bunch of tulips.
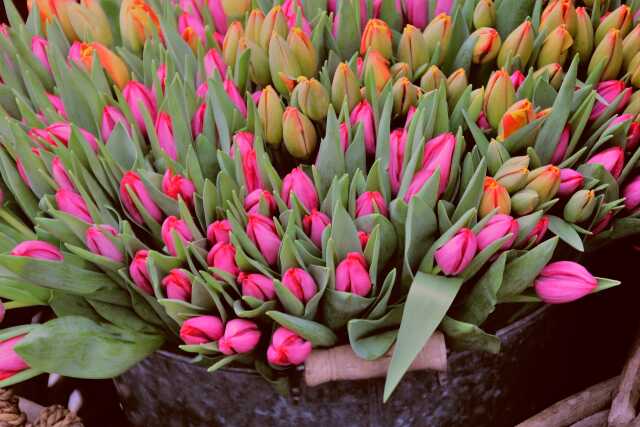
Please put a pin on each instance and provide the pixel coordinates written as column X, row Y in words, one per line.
column 251, row 180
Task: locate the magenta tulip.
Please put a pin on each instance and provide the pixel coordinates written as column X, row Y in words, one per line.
column 37, row 249
column 443, row 6
column 258, row 198
column 455, row 255
column 561, row 148
column 197, row 122
column 177, row 285
column 131, row 182
column 299, row 183
column 201, row 330
column 262, row 232
column 496, row 228
column 175, row 186
column 363, row 113
column 161, row 74
column 416, row 13
column 609, row 90
column 314, row 225
column 139, row 272
column 300, row 283
column 10, row 362
column 99, row 240
column 61, row 131
column 397, row 142
column 58, row 105
column 517, row 78
column 164, row 131
column 633, row 134
column 173, row 225
column 235, row 97
column 111, row 116
column 564, row 281
column 603, row 224
column 410, row 114
column 202, row 90
column 612, row 159
column 191, row 24
column 257, row 286
column 287, row 348
column 371, row 202
column 223, row 257
column 352, row 275
column 240, row 336
column 218, row 15
column 438, row 154
column 570, row 182
column 213, row 61
column 243, row 143
column 39, row 47
column 219, row 231
column 538, row 232
column 72, row 203
column 631, row 194
column 59, row 174
column 344, row 137
column 139, row 97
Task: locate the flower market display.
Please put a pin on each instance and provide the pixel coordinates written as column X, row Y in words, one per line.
column 248, row 181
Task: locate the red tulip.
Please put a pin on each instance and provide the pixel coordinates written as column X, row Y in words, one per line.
column 352, row 275
column 496, row 228
column 252, row 202
column 287, row 348
column 538, row 232
column 73, row 204
column 299, row 183
column 176, row 186
column 363, row 113
column 177, row 285
column 223, row 257
column 603, row 224
column 201, row 330
column 314, row 225
column 517, row 78
column 438, row 154
column 191, row 29
column 219, row 231
column 612, row 159
column 300, row 283
column 98, row 242
column 364, row 239
column 131, row 182
column 170, row 225
column 344, row 137
column 371, row 202
column 139, row 97
column 564, row 281
column 240, row 336
column 257, row 286
column 37, row 249
column 164, row 131
column 10, row 362
column 139, row 272
column 262, row 232
column 455, row 255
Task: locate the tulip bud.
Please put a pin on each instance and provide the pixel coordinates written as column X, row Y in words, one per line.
column 89, row 21
column 620, row 19
column 139, row 272
column 37, row 249
column 517, row 78
column 580, row 206
column 287, row 348
column 300, row 283
column 570, row 181
column 377, row 36
column 197, row 122
column 233, row 43
column 537, row 233
column 583, row 38
column 58, row 9
column 397, row 142
column 274, row 23
column 633, row 106
column 299, row 134
column 498, row 97
column 314, row 225
column 270, row 111
column 223, row 257
column 609, row 51
column 496, row 155
column 405, row 95
column 455, row 255
column 545, row 181
column 260, row 202
column 631, row 194
column 214, row 61
column 72, row 203
column 496, row 228
column 555, row 47
column 243, row 142
column 201, row 330
column 177, row 285
column 513, row 174
column 40, row 47
column 559, row 12
column 487, row 45
column 414, row 11
column 139, row 97
column 363, row 114
column 494, row 196
column 114, row 66
column 299, row 183
column 564, row 281
column 10, row 362
column 110, row 117
column 219, row 232
column 602, row 224
column 371, row 202
column 100, row 243
column 375, row 64
column 138, row 21
column 516, row 117
column 412, row 48
column 175, row 186
column 173, row 225
column 561, row 148
column 631, row 46
column 192, row 31
column 312, row 98
column 257, row 286
column 438, row 33
column 432, row 79
column 352, row 275
column 518, row 44
column 609, row 91
column 345, row 85
column 612, row 159
column 438, row 154
column 164, row 131
column 60, row 176
column 303, row 51
column 554, row 72
column 634, row 70
column 254, row 25
column 131, row 183
column 364, row 239
column 282, row 63
column 525, row 201
column 262, row 232
column 484, row 15
column 235, row 96
column 456, row 84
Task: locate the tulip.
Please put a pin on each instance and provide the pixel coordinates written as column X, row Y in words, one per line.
column 631, row 46
column 583, row 38
column 73, row 204
column 561, row 148
column 580, row 206
column 299, row 134
column 223, row 257
column 164, row 131
column 631, row 136
column 559, row 12
column 275, row 23
column 240, row 336
column 294, row 12
column 191, row 29
column 139, row 98
column 197, row 122
column 609, row 52
column 219, row 232
column 554, row 73
column 496, row 228
column 378, row 66
column 352, row 275
column 37, row 249
column 111, row 116
column 414, row 11
column 363, row 238
column 570, row 181
column 487, row 45
column 114, row 66
column 300, row 283
column 612, row 159
column 371, row 202
column 496, row 155
column 175, row 186
column 525, row 201
column 620, row 19
column 57, row 105
column 270, row 112
column 438, row 33
column 299, row 183
column 10, row 362
column 253, row 26
column 538, row 232
column 233, row 44
column 363, row 113
column 397, row 142
column 282, row 62
column 609, row 91
column 177, row 285
column 235, row 97
column 455, row 255
column 60, row 176
column 405, row 95
column 631, row 194
column 214, row 61
column 39, row 48
column 518, row 44
column 564, row 281
column 633, row 106
column 314, row 225
column 287, row 348
column 260, row 201
column 138, row 22
column 513, row 173
column 312, row 98
column 545, row 181
column 303, row 51
column 494, row 196
column 257, row 286
column 498, row 97
column 173, row 225
column 377, row 36
column 201, row 330
column 438, row 154
column 516, row 117
column 555, row 47
column 139, row 272
column 58, row 9
column 457, row 82
column 432, row 79
column 262, row 232
column 602, row 224
column 344, row 137
column 484, row 15
column 100, row 243
column 412, row 48
column 89, row 21
column 634, row 70
column 61, row 131
column 244, row 143
column 131, row 183
column 345, row 86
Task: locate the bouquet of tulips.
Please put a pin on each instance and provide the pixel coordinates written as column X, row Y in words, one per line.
column 252, row 180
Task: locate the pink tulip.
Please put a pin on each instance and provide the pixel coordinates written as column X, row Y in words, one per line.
column 39, row 47
column 631, row 194
column 352, row 275
column 240, row 336
column 213, row 61
column 363, row 238
column 416, row 12
column 10, row 362
column 201, row 330
column 561, row 148
column 314, row 225
column 564, row 281
column 190, row 6
column 139, row 272
column 111, row 116
column 62, row 132
column 517, row 78
column 197, row 123
column 287, row 348
column 603, row 224
column 223, row 257
column 37, row 249
column 455, row 255
column 257, row 286
column 58, row 106
column 243, row 143
column 538, row 232
column 21, row 170
column 612, row 159
column 371, row 202
column 299, row 183
column 131, row 182
column 262, row 232
column 139, row 97
column 166, row 140
column 443, row 6
column 177, row 285
column 218, row 15
column 255, row 97
column 609, row 91
column 410, row 114
column 363, row 113
column 161, row 74
column 72, row 203
column 633, row 134
column 60, row 176
column 192, row 24
column 570, row 181
column 483, row 123
column 175, row 186
column 252, row 202
column 180, row 227
column 290, row 10
column 219, row 232
column 300, row 283
column 397, row 142
column 438, row 154
column 496, row 228
column 202, row 90
column 100, row 243
column 344, row 137
column 235, row 97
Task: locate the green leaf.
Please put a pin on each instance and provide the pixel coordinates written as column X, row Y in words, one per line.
column 344, row 233
column 510, row 14
column 520, row 273
column 318, row 334
column 482, row 299
column 465, row 336
column 565, row 232
column 371, row 339
column 339, row 307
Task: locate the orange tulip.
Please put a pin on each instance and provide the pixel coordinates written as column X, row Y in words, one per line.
column 114, row 66
column 516, row 117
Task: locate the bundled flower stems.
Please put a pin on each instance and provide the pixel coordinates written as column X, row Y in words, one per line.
column 253, row 182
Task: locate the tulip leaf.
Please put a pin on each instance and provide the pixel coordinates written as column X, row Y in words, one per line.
column 338, row 307
column 510, row 14
column 427, row 303
column 478, row 136
column 318, row 334
column 520, row 273
column 81, row 348
column 371, row 339
column 565, row 232
column 463, row 336
column 289, row 301
column 331, row 160
column 344, row 233
column 459, row 33
column 604, row 284
column 472, row 195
